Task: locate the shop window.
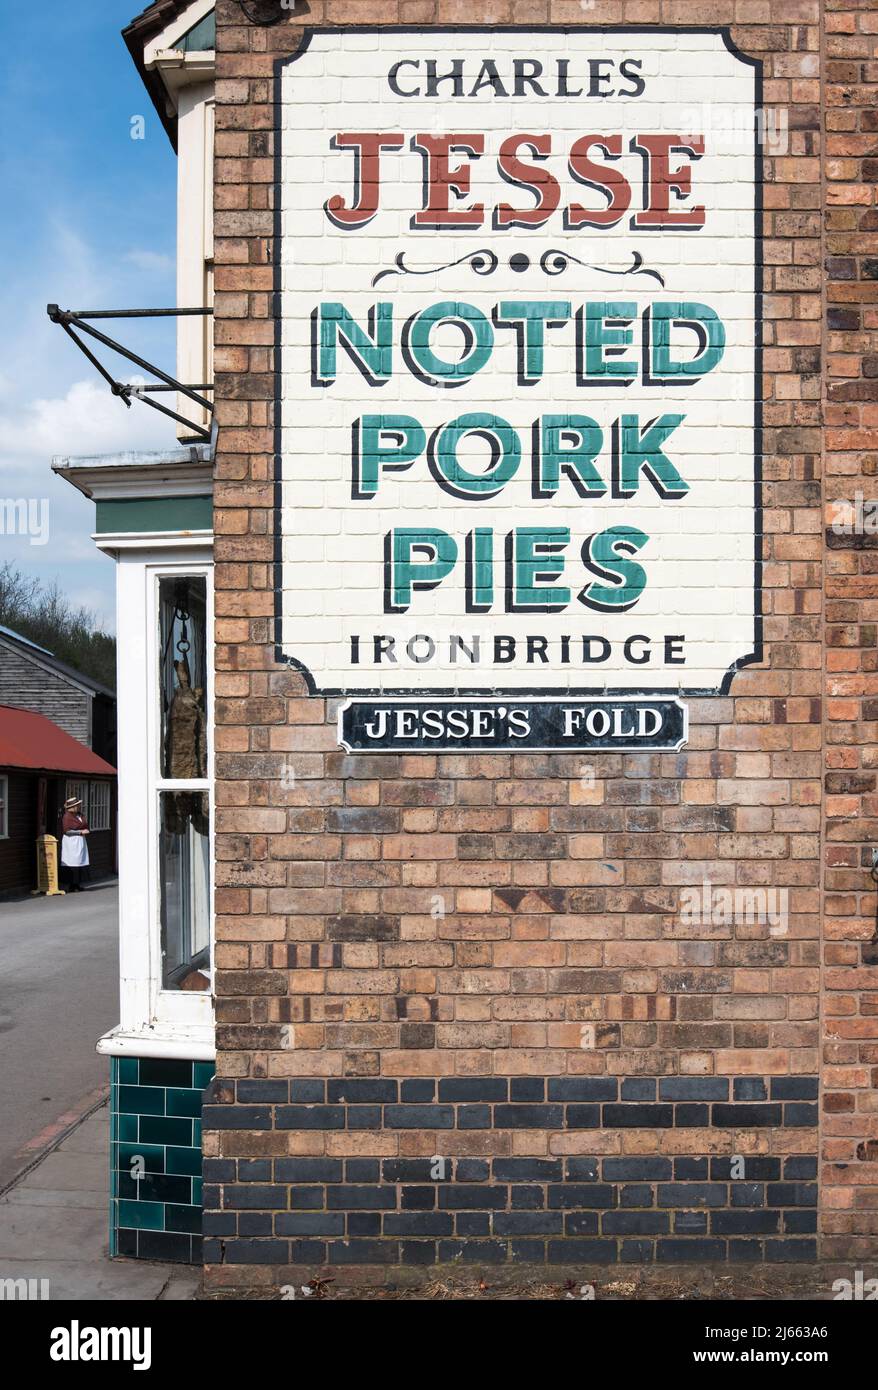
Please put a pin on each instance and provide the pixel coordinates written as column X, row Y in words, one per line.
column 183, row 678
column 99, row 806
column 183, row 795
column 184, row 868
column 80, row 791
column 4, row 808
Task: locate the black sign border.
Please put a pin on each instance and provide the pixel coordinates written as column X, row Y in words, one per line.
column 757, row 655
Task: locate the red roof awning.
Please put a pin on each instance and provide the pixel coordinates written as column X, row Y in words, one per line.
column 31, row 740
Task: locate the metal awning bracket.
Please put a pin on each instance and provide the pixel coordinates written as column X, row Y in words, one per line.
column 75, row 322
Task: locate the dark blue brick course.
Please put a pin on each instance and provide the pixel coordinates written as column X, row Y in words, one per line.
column 527, row 1088
column 749, row 1088
column 746, row 1116
column 528, row 1169
column 474, row 1088
column 526, row 1116
column 638, row 1088
column 583, row 1088
column 649, row 1169
column 306, row 1092
column 353, row 1091
column 794, row 1088
column 419, row 1116
column 693, row 1088
column 485, row 1209
column 417, row 1090
column 799, row 1115
column 309, row 1117
column 638, row 1116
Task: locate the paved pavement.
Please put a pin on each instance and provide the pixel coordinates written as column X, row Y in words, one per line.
column 54, row 1224
column 59, row 991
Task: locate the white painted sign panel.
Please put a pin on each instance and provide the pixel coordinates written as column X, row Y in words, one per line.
column 518, row 303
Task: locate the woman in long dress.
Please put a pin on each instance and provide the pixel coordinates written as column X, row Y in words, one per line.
column 74, row 844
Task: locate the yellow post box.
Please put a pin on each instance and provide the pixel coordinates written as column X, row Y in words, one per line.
column 47, row 867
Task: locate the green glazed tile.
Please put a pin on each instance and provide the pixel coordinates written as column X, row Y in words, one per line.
column 184, row 1103
column 152, row 1154
column 165, row 1071
column 142, row 1216
column 141, row 1100
column 186, row 1161
column 127, row 1129
column 157, row 1129
column 178, row 1218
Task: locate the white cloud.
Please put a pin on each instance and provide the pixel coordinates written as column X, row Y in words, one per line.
column 53, row 403
column 152, row 262
column 87, row 419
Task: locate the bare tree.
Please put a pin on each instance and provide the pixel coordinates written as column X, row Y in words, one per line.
column 44, row 614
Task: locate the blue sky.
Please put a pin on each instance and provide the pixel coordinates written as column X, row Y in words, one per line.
column 88, row 222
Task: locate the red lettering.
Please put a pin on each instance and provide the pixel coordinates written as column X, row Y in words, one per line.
column 367, row 147
column 543, row 185
column 610, row 182
column 660, row 180
column 440, row 181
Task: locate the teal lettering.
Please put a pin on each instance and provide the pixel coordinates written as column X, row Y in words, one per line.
column 708, row 328
column 415, row 558
column 478, row 342
column 607, row 555
column 370, row 350
column 636, row 452
column 382, row 441
column 445, row 465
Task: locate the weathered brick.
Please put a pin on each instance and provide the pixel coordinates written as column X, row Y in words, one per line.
column 514, row 970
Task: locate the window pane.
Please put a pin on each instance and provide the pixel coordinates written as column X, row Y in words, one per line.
column 184, row 867
column 80, row 791
column 183, row 676
column 99, row 806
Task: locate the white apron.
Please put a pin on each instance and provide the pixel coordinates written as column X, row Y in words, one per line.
column 74, row 851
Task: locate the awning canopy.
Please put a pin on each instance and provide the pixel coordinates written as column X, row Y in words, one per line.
column 31, row 740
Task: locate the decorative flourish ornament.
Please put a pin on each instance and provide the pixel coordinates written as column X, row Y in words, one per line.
column 555, row 262
column 483, row 262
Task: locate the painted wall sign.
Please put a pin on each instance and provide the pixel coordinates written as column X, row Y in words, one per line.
column 517, row 427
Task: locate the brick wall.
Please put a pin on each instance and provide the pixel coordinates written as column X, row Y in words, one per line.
column 555, row 1065
column 850, row 951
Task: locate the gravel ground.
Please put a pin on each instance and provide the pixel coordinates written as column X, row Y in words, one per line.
column 753, row 1283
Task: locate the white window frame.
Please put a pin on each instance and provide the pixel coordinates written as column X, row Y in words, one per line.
column 146, row 1008
column 4, row 806
column 169, row 1004
column 100, row 818
column 195, row 142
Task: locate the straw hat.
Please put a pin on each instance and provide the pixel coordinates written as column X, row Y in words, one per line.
column 72, row 802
